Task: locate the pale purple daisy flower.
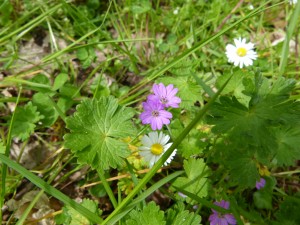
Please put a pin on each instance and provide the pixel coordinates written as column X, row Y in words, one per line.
column 166, row 95
column 155, row 115
column 221, row 219
column 260, row 184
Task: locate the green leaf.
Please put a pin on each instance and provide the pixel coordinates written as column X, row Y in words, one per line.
column 288, row 140
column 192, row 145
column 100, row 87
column 25, row 119
column 242, row 167
column 289, row 211
column 196, row 177
column 59, row 81
column 262, row 200
column 71, row 217
column 86, row 56
column 6, row 9
column 235, row 85
column 185, row 68
column 180, row 216
column 265, row 105
column 96, row 132
column 40, row 79
column 44, row 106
column 188, row 90
column 253, row 125
column 68, row 90
column 140, row 6
column 148, row 216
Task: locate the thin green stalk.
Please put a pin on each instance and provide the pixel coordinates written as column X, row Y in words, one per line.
column 165, row 156
column 30, row 25
column 50, row 190
column 89, row 78
column 9, row 80
column 107, row 188
column 28, row 208
column 59, row 111
column 7, row 152
column 286, row 45
column 205, row 87
column 13, row 99
column 131, row 172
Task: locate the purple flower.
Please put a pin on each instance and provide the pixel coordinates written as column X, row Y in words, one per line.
column 221, row 219
column 260, row 184
column 155, row 115
column 166, row 95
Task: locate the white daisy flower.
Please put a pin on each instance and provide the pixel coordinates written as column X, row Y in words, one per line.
column 242, row 53
column 155, row 144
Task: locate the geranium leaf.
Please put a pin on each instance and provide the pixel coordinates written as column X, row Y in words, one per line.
column 44, row 106
column 70, row 216
column 179, row 216
column 289, row 211
column 189, row 90
column 25, row 119
column 97, row 129
column 148, row 216
column 288, row 140
column 196, row 177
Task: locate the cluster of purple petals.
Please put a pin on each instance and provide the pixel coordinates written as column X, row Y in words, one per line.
column 155, row 112
column 217, row 218
column 260, row 184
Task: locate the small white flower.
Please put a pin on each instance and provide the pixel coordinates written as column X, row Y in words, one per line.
column 293, row 1
column 176, row 11
column 154, row 146
column 242, row 53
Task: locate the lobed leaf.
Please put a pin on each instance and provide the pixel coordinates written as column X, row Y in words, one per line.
column 97, row 129
column 148, row 216
column 25, row 119
column 179, row 216
column 196, row 177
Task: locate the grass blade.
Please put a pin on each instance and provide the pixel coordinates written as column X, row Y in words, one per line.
column 50, row 190
column 7, row 152
column 286, row 45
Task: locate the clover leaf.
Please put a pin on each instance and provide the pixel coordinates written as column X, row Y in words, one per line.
column 96, row 132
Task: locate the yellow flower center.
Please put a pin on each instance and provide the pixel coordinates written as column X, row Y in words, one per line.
column 241, row 52
column 157, row 149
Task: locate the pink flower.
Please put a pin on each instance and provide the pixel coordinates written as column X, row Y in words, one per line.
column 166, row 95
column 155, row 115
column 221, row 219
